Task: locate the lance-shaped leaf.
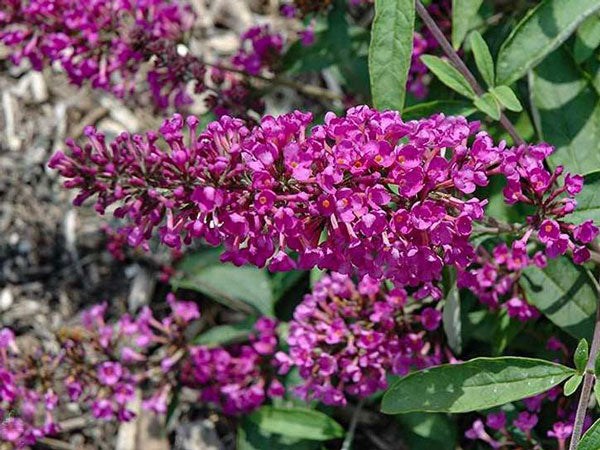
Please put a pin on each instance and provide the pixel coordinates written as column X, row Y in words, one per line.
column 591, row 438
column 507, row 98
column 390, row 52
column 448, row 75
column 483, row 58
column 572, row 384
column 542, row 30
column 302, row 423
column 481, row 383
column 464, row 18
column 489, row 105
column 580, row 357
column 563, row 292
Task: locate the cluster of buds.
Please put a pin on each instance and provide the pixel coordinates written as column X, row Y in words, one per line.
column 365, row 194
column 92, row 40
column 346, row 338
column 103, row 367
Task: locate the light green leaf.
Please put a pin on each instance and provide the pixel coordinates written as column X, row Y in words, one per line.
column 507, row 98
column 451, row 319
column 580, row 357
column 563, row 292
column 591, row 438
column 245, row 289
column 572, row 384
column 588, row 200
column 301, row 423
column 251, row 437
column 448, row 107
column 448, row 75
column 597, row 390
column 226, row 334
column 481, row 383
column 390, row 52
column 587, row 39
column 541, row 31
column 489, row 105
column 483, row 57
column 569, row 113
column 429, row 431
column 464, row 15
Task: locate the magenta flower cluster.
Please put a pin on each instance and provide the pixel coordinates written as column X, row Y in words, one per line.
column 240, row 378
column 346, row 338
column 91, row 40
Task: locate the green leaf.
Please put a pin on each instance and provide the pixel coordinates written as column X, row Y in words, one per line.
column 464, row 13
column 451, row 319
column 301, row 423
column 507, row 98
column 448, row 107
column 541, row 31
column 597, row 390
column 448, row 75
column 251, row 437
column 563, row 292
column 429, row 431
column 483, row 58
column 245, row 289
column 591, row 438
column 587, row 39
column 580, row 357
column 481, row 383
column 390, row 52
column 588, row 200
column 489, row 105
column 282, row 282
column 226, row 334
column 572, row 384
column 569, row 113
column 597, row 366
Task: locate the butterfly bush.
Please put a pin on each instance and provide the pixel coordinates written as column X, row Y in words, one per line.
column 91, row 40
column 345, row 338
column 103, row 367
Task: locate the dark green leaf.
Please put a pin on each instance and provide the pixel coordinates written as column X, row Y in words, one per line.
column 587, row 38
column 489, row 105
column 390, row 52
column 541, row 31
column 572, row 384
column 597, row 390
column 507, row 98
column 251, row 437
column 580, row 358
column 301, row 423
column 563, row 292
column 588, row 200
column 597, row 367
column 173, row 404
column 246, row 288
column 591, row 438
column 448, row 75
column 483, row 58
column 481, row 383
column 429, row 431
column 451, row 319
column 464, row 14
column 282, row 282
column 569, row 112
column 226, row 334
column 448, row 107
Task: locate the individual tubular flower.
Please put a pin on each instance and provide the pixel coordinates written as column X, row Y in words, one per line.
column 99, row 366
column 91, row 40
column 238, row 378
column 345, row 338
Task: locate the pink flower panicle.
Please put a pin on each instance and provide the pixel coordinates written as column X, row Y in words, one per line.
column 91, row 40
column 365, row 194
column 345, row 338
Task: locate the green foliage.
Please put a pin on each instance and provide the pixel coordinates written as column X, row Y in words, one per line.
column 580, row 358
column 428, row 431
column 483, row 58
column 565, row 293
column 245, row 289
column 464, row 13
column 225, row 334
column 451, row 320
column 299, row 423
column 448, row 75
column 488, row 104
column 390, row 52
column 572, row 384
column 591, row 438
column 448, row 107
column 507, row 98
column 588, row 200
column 541, row 31
column 587, row 39
column 481, row 383
column 251, row 437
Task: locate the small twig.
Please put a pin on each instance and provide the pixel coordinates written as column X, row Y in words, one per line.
column 588, row 381
column 347, row 444
column 461, row 67
column 308, row 89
